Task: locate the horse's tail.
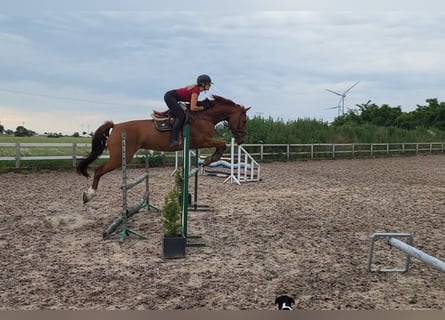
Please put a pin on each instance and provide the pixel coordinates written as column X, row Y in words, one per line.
column 98, row 145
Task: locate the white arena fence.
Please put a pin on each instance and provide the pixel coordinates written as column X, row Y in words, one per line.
column 16, row 154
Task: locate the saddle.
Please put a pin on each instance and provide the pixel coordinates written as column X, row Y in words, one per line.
column 164, row 120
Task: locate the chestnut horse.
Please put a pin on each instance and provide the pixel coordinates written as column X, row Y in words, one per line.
column 142, row 134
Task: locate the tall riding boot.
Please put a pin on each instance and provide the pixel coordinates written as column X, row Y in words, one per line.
column 175, row 132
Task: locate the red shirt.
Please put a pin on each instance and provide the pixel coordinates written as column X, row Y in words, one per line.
column 185, row 94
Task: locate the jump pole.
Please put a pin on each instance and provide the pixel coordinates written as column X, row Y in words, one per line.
column 144, row 202
column 185, row 187
column 243, row 167
column 196, row 206
column 407, row 248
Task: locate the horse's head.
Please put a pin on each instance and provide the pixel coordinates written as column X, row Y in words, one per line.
column 236, row 116
column 238, row 124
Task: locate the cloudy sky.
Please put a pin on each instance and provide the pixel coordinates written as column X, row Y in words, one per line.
column 67, row 68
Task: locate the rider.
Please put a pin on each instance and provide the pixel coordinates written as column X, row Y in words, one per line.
column 187, row 94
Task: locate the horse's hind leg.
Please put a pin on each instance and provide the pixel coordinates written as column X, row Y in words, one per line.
column 114, row 162
column 108, row 166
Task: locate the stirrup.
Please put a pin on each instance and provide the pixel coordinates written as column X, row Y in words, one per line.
column 174, row 143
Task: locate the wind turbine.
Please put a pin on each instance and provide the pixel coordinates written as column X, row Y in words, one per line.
column 341, row 103
column 338, row 107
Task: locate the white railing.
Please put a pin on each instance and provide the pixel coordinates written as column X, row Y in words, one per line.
column 22, row 152
column 243, row 164
column 263, row 152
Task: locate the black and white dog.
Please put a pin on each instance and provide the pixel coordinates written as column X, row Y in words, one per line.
column 284, row 302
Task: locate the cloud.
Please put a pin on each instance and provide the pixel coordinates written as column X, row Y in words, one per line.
column 108, row 64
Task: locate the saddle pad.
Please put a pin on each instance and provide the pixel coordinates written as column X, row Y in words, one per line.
column 162, row 124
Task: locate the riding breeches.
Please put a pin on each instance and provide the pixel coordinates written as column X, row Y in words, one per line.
column 171, row 99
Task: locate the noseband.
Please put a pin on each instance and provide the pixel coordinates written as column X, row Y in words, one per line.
column 238, row 132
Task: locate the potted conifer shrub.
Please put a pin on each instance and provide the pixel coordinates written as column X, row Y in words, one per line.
column 173, row 245
column 179, row 181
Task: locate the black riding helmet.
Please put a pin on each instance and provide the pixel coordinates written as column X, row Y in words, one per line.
column 203, row 79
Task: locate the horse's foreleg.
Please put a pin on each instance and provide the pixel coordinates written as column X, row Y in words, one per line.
column 219, row 151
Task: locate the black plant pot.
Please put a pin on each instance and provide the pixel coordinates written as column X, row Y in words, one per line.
column 173, row 247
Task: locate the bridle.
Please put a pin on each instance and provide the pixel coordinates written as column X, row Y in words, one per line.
column 237, row 132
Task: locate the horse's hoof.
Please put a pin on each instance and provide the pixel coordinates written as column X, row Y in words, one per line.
column 85, row 198
column 88, row 195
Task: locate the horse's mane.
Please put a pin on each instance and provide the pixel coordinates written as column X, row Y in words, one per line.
column 220, row 99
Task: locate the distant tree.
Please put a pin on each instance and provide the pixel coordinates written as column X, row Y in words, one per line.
column 54, row 135
column 76, row 135
column 407, row 121
column 21, row 131
column 432, row 115
column 2, row 129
